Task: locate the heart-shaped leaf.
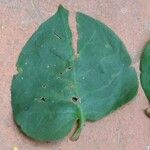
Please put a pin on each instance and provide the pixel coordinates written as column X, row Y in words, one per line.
column 55, row 89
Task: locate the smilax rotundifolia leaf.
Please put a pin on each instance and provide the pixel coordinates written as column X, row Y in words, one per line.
column 54, row 89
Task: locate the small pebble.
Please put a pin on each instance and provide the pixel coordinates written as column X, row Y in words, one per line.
column 147, row 112
column 15, row 148
column 2, row 27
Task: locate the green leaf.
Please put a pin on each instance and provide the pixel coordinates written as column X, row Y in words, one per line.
column 145, row 70
column 145, row 74
column 54, row 89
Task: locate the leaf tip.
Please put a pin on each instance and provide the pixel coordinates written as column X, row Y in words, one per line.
column 61, row 8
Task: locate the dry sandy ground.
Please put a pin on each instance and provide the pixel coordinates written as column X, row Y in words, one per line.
column 126, row 129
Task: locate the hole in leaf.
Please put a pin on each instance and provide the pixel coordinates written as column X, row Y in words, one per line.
column 75, row 99
column 69, row 68
column 44, row 86
column 43, row 99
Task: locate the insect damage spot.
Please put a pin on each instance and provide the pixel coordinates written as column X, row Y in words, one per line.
column 44, row 86
column 48, row 66
column 75, row 99
column 57, row 36
column 26, row 108
column 43, row 99
column 20, row 70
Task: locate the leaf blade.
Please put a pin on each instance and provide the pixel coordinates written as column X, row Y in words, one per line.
column 53, row 89
column 45, row 82
column 103, row 61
